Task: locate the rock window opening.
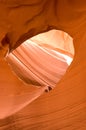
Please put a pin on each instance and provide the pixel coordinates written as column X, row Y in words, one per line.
column 43, row 59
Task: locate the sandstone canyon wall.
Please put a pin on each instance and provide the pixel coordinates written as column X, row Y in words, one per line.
column 65, row 106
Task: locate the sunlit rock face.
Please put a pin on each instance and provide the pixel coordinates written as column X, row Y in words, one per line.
column 43, row 59
column 36, row 66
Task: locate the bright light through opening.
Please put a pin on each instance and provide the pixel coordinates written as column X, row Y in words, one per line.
column 43, row 59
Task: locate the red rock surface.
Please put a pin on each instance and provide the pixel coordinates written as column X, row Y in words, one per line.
column 65, row 106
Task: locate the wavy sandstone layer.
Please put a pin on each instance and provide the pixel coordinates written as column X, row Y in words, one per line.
column 65, row 106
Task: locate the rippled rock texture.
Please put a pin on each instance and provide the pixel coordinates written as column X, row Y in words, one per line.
column 63, row 107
